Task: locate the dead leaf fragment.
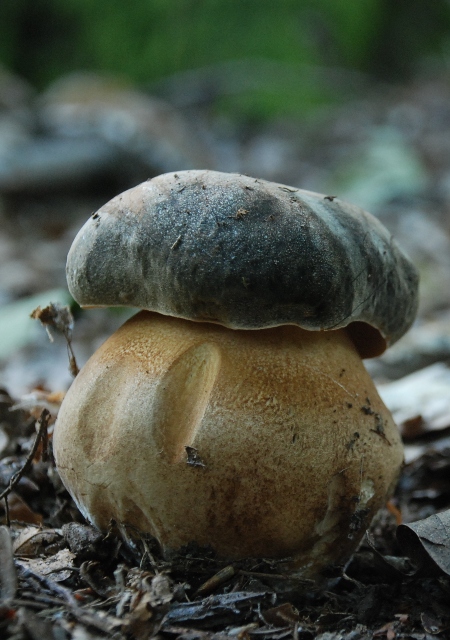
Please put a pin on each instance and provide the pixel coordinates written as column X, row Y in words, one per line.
column 38, row 400
column 283, row 614
column 160, row 590
column 427, row 542
column 193, row 457
column 420, row 402
column 19, row 510
column 431, row 624
column 33, row 541
column 60, row 318
column 55, row 316
column 56, row 567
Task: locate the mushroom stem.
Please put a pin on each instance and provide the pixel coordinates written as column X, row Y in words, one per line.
column 265, row 443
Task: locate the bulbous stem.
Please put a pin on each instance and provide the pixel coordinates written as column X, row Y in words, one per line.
column 269, row 443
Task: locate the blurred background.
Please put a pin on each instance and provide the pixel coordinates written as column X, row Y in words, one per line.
column 345, row 98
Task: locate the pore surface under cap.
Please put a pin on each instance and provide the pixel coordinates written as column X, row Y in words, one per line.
column 245, row 253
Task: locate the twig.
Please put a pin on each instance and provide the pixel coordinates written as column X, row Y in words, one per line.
column 44, row 438
column 73, row 366
column 257, row 574
column 51, row 585
column 82, row 615
column 43, row 423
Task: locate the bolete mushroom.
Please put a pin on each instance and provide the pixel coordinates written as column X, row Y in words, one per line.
column 235, row 410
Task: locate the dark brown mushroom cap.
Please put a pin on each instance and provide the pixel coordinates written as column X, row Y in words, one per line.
column 247, row 254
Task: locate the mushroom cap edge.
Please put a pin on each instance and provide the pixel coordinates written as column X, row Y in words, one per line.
column 248, row 254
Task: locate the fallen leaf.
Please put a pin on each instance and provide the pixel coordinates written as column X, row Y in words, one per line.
column 283, row 614
column 420, row 402
column 56, row 567
column 38, row 400
column 19, row 510
column 32, row 541
column 427, row 542
column 431, row 624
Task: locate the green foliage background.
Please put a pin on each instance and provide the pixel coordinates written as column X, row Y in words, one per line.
column 146, row 40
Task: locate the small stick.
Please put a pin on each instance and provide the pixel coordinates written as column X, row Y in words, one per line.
column 258, row 574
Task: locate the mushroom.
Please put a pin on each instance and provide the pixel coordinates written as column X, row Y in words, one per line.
column 234, row 410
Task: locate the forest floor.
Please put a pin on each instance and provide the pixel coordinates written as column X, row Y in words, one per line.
column 61, row 579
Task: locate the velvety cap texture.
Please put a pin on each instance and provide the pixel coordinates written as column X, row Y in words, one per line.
column 245, row 253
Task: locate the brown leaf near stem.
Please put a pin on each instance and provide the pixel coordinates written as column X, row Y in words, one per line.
column 42, row 436
column 19, row 510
